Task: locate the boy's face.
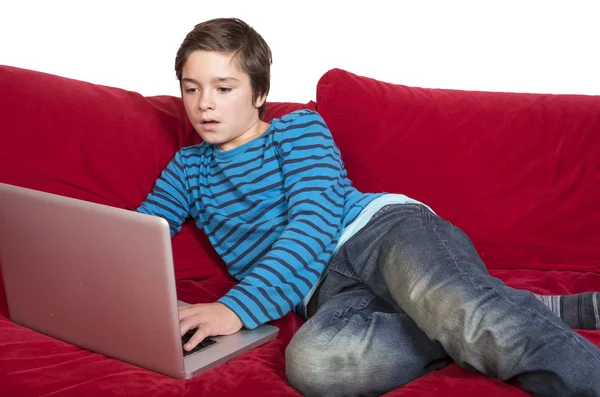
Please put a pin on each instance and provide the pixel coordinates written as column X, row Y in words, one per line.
column 218, row 100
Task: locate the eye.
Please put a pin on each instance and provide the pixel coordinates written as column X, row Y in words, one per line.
column 224, row 90
column 191, row 90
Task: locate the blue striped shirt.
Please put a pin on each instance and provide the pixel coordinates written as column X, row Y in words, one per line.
column 272, row 208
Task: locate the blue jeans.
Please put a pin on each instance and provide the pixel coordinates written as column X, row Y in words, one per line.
column 408, row 294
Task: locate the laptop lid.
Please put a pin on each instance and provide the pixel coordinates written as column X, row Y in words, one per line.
column 101, row 278
column 95, row 276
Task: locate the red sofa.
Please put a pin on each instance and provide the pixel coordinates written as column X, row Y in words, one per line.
column 520, row 173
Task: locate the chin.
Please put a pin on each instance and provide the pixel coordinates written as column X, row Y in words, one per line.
column 210, row 138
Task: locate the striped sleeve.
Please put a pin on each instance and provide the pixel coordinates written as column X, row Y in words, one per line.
column 169, row 197
column 313, row 181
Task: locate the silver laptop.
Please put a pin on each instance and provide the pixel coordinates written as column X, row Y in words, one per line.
column 101, row 278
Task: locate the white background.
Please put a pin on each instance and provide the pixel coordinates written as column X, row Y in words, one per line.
column 520, row 46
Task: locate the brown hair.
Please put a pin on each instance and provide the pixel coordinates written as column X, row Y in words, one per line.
column 231, row 35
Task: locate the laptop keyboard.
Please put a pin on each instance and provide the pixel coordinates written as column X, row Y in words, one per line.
column 201, row 346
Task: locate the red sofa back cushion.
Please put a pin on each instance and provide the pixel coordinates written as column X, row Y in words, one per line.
column 520, row 173
column 83, row 140
column 100, row 144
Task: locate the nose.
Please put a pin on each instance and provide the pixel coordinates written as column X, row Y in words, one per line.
column 206, row 101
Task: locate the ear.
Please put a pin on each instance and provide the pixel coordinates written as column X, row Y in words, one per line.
column 260, row 100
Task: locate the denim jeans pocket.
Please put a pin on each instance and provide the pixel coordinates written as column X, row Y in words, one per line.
column 403, row 208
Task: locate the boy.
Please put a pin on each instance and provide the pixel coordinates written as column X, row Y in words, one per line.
column 390, row 291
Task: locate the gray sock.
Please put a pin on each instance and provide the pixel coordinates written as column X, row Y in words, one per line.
column 579, row 311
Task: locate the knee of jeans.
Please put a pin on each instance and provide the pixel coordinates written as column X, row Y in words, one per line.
column 329, row 359
column 307, row 365
column 345, row 357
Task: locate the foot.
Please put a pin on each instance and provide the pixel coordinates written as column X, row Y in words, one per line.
column 579, row 311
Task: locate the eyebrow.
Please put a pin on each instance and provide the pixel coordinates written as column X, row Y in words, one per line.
column 214, row 80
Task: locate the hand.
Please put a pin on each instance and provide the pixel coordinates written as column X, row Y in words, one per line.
column 212, row 319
